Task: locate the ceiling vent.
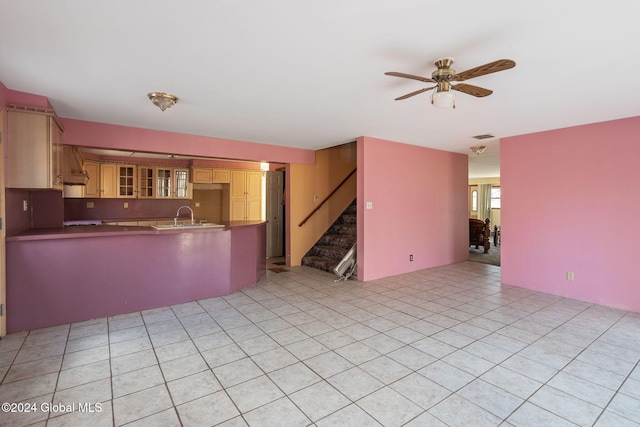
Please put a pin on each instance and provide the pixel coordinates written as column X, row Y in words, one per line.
column 485, row 136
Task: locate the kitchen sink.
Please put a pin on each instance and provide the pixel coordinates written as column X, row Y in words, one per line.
column 186, row 226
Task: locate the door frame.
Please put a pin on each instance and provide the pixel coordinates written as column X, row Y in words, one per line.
column 275, row 214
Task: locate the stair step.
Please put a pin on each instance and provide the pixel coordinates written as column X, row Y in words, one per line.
column 341, row 241
column 328, row 252
column 344, row 229
column 319, row 263
column 349, row 218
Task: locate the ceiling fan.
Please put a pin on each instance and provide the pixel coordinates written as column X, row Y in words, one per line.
column 444, row 77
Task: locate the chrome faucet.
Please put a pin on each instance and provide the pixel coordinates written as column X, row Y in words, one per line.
column 190, row 210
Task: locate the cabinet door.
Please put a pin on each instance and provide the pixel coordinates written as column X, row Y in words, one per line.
column 108, row 180
column 92, row 188
column 126, row 181
column 28, row 151
column 254, row 194
column 254, row 184
column 181, row 183
column 163, row 183
column 202, row 176
column 57, row 149
column 238, row 209
column 254, row 209
column 238, row 184
column 221, row 176
column 146, row 182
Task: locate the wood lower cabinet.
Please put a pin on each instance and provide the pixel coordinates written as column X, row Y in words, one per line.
column 34, row 151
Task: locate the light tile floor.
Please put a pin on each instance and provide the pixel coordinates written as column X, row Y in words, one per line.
column 448, row 346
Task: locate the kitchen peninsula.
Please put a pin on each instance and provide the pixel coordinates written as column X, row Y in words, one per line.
column 73, row 274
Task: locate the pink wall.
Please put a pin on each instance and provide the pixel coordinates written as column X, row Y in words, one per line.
column 24, row 98
column 102, row 135
column 419, row 198
column 113, row 209
column 570, row 203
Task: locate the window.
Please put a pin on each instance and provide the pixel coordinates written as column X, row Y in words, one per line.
column 495, row 197
column 474, row 201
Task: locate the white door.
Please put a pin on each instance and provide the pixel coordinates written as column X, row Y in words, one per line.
column 275, row 214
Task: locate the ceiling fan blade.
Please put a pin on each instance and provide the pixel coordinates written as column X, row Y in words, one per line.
column 410, row 76
column 409, row 95
column 492, row 67
column 472, row 90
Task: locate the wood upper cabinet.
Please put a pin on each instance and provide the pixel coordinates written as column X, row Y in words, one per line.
column 210, row 176
column 146, row 182
column 127, row 180
column 172, row 183
column 245, row 195
column 182, row 186
column 108, row 180
column 92, row 187
column 103, row 180
column 34, row 151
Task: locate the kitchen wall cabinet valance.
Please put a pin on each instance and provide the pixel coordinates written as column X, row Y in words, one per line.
column 34, row 149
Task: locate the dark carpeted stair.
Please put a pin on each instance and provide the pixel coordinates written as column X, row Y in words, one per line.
column 335, row 243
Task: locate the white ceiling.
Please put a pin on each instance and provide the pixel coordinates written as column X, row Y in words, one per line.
column 310, row 74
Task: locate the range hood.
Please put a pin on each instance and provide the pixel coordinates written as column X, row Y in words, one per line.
column 73, row 174
column 76, row 178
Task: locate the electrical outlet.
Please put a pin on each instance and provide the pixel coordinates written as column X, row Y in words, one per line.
column 570, row 276
column 126, row 205
column 90, row 205
column 25, row 205
column 315, row 197
column 411, row 257
column 369, row 205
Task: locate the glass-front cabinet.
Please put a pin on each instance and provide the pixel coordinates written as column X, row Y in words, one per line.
column 163, row 183
column 181, row 179
column 126, row 181
column 146, row 182
column 172, row 183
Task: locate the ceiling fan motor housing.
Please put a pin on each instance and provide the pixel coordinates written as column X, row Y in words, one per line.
column 444, row 72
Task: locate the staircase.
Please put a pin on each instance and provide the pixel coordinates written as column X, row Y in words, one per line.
column 335, row 243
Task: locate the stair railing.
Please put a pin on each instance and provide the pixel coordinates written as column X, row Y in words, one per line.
column 326, row 199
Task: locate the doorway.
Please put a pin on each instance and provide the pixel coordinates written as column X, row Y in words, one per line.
column 275, row 214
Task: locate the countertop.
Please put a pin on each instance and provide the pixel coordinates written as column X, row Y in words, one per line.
column 78, row 231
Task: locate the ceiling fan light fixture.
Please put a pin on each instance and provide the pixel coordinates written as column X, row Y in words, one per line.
column 478, row 149
column 444, row 99
column 162, row 100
